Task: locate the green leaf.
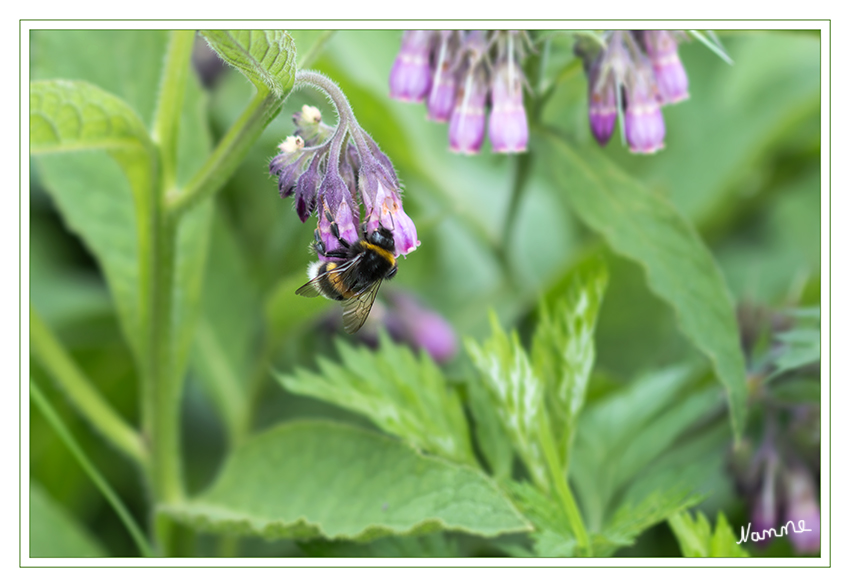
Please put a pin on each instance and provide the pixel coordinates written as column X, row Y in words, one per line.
column 436, row 545
column 492, row 438
column 311, row 479
column 402, row 394
column 802, row 347
column 54, row 532
column 619, row 436
column 552, row 536
column 634, row 517
column 639, row 225
column 562, row 349
column 696, row 539
column 75, row 115
column 267, row 58
column 515, row 391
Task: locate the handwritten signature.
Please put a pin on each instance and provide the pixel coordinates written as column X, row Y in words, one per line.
column 765, row 534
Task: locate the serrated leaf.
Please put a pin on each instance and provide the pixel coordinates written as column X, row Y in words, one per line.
column 436, row 545
column 492, row 438
column 322, row 479
column 552, row 536
column 54, row 532
column 402, row 394
column 634, row 517
column 267, row 58
column 639, row 225
column 562, row 349
column 696, row 539
column 515, row 391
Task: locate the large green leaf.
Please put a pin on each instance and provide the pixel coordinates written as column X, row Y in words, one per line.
column 54, row 532
column 77, row 117
column 621, row 435
column 311, row 479
column 402, row 394
column 267, row 58
column 680, row 269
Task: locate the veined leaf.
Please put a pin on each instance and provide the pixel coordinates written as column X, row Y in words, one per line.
column 552, row 536
column 73, row 117
column 311, row 479
column 267, row 58
column 621, row 435
column 516, row 392
column 562, row 350
column 696, row 539
column 402, row 394
column 54, row 532
column 649, row 230
column 632, row 518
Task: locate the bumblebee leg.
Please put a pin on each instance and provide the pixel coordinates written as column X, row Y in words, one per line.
column 337, row 254
column 335, row 230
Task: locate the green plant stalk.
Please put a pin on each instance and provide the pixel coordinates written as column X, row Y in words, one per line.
column 170, row 103
column 562, row 488
column 228, row 154
column 62, row 431
column 47, row 349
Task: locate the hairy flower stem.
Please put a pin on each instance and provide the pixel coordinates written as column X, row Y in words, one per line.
column 345, row 115
column 228, row 154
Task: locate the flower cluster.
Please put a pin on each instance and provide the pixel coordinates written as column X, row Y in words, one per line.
column 331, row 171
column 460, row 73
column 778, row 477
column 637, row 72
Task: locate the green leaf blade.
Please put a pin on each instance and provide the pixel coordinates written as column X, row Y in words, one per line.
column 360, row 486
column 76, row 115
column 643, row 227
column 267, row 58
column 54, row 532
column 402, row 394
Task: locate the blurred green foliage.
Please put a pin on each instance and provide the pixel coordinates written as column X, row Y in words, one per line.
column 741, row 166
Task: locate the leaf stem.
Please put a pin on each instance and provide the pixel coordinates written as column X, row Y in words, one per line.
column 228, row 154
column 82, row 394
column 170, row 103
column 562, row 488
column 62, row 431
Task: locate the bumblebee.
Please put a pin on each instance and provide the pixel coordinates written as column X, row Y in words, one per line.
column 353, row 273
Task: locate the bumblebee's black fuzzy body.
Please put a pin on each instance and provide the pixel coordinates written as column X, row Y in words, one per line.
column 352, row 274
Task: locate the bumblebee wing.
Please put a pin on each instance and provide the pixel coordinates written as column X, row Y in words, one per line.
column 311, row 288
column 356, row 309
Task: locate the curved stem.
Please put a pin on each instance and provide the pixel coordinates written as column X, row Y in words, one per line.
column 228, row 154
column 345, row 114
column 82, row 394
column 62, row 431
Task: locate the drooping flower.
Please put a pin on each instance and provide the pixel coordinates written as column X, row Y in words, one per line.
column 331, row 176
column 801, row 508
column 410, row 78
column 467, row 123
column 644, row 121
column 508, row 122
column 670, row 75
column 441, row 98
column 383, row 207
